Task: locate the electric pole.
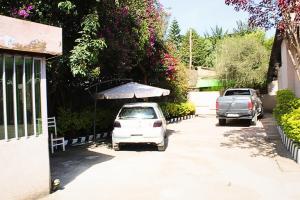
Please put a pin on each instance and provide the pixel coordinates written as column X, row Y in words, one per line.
column 191, row 47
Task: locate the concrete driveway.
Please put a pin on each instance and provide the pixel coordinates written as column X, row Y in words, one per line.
column 202, row 161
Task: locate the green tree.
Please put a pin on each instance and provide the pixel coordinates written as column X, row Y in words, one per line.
column 268, row 43
column 217, row 33
column 201, row 48
column 174, row 34
column 84, row 56
column 243, row 28
column 242, row 61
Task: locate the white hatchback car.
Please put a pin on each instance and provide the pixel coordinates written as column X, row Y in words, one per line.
column 140, row 123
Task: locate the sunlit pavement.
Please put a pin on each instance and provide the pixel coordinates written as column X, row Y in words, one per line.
column 202, row 161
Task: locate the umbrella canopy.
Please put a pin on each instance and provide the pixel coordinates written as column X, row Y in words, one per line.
column 131, row 90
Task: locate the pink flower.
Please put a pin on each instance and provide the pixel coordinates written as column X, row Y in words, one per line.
column 23, row 13
column 29, row 8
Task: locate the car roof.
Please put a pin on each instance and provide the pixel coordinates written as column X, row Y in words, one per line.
column 141, row 104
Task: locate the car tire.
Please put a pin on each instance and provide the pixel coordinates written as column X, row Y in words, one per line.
column 254, row 120
column 222, row 122
column 161, row 147
column 261, row 114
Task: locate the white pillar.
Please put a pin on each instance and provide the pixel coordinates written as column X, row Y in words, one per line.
column 44, row 99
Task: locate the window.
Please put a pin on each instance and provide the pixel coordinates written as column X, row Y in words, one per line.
column 9, row 71
column 37, row 82
column 237, row 92
column 29, row 104
column 137, row 113
column 19, row 62
column 20, row 96
column 2, row 135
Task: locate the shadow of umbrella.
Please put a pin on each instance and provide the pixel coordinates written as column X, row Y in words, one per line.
column 67, row 165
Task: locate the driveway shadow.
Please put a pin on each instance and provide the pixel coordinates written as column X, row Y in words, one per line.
column 263, row 141
column 69, row 164
column 236, row 123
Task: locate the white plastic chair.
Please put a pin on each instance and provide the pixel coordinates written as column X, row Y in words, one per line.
column 54, row 140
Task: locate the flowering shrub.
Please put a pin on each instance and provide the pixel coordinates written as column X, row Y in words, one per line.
column 23, row 12
column 169, row 64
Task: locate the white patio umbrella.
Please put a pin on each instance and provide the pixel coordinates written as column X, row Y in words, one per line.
column 131, row 90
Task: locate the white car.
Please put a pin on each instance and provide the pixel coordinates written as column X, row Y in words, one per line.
column 140, row 123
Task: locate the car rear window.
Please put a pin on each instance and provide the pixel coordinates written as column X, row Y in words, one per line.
column 137, row 113
column 237, row 92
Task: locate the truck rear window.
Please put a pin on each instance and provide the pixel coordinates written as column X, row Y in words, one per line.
column 237, row 92
column 137, row 113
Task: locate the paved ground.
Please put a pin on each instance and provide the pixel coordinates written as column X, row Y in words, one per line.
column 202, row 161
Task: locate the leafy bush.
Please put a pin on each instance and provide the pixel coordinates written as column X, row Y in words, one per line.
column 287, row 113
column 286, row 102
column 172, row 110
column 72, row 124
column 291, row 124
column 242, row 61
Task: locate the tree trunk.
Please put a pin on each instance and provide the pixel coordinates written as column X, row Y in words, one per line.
column 145, row 74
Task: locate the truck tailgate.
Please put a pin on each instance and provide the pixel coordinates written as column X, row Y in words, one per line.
column 233, row 105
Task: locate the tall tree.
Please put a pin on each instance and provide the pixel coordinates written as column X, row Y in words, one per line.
column 200, row 51
column 216, row 33
column 242, row 61
column 174, row 34
column 243, row 28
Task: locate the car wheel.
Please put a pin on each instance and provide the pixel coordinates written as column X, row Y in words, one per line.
column 254, row 120
column 222, row 122
column 162, row 146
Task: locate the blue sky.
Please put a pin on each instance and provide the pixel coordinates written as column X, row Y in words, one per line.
column 203, row 14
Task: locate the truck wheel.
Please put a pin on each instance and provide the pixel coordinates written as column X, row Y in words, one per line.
column 261, row 114
column 222, row 122
column 254, row 120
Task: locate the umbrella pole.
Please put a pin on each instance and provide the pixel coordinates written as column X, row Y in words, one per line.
column 95, row 113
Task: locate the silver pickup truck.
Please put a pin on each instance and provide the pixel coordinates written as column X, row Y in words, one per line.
column 239, row 103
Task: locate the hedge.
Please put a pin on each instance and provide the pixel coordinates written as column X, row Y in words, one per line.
column 287, row 113
column 291, row 125
column 74, row 124
column 172, row 110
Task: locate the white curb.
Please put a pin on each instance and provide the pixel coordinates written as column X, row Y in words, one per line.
column 290, row 145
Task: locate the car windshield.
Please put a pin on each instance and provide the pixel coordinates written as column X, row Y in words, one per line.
column 237, row 92
column 137, row 113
